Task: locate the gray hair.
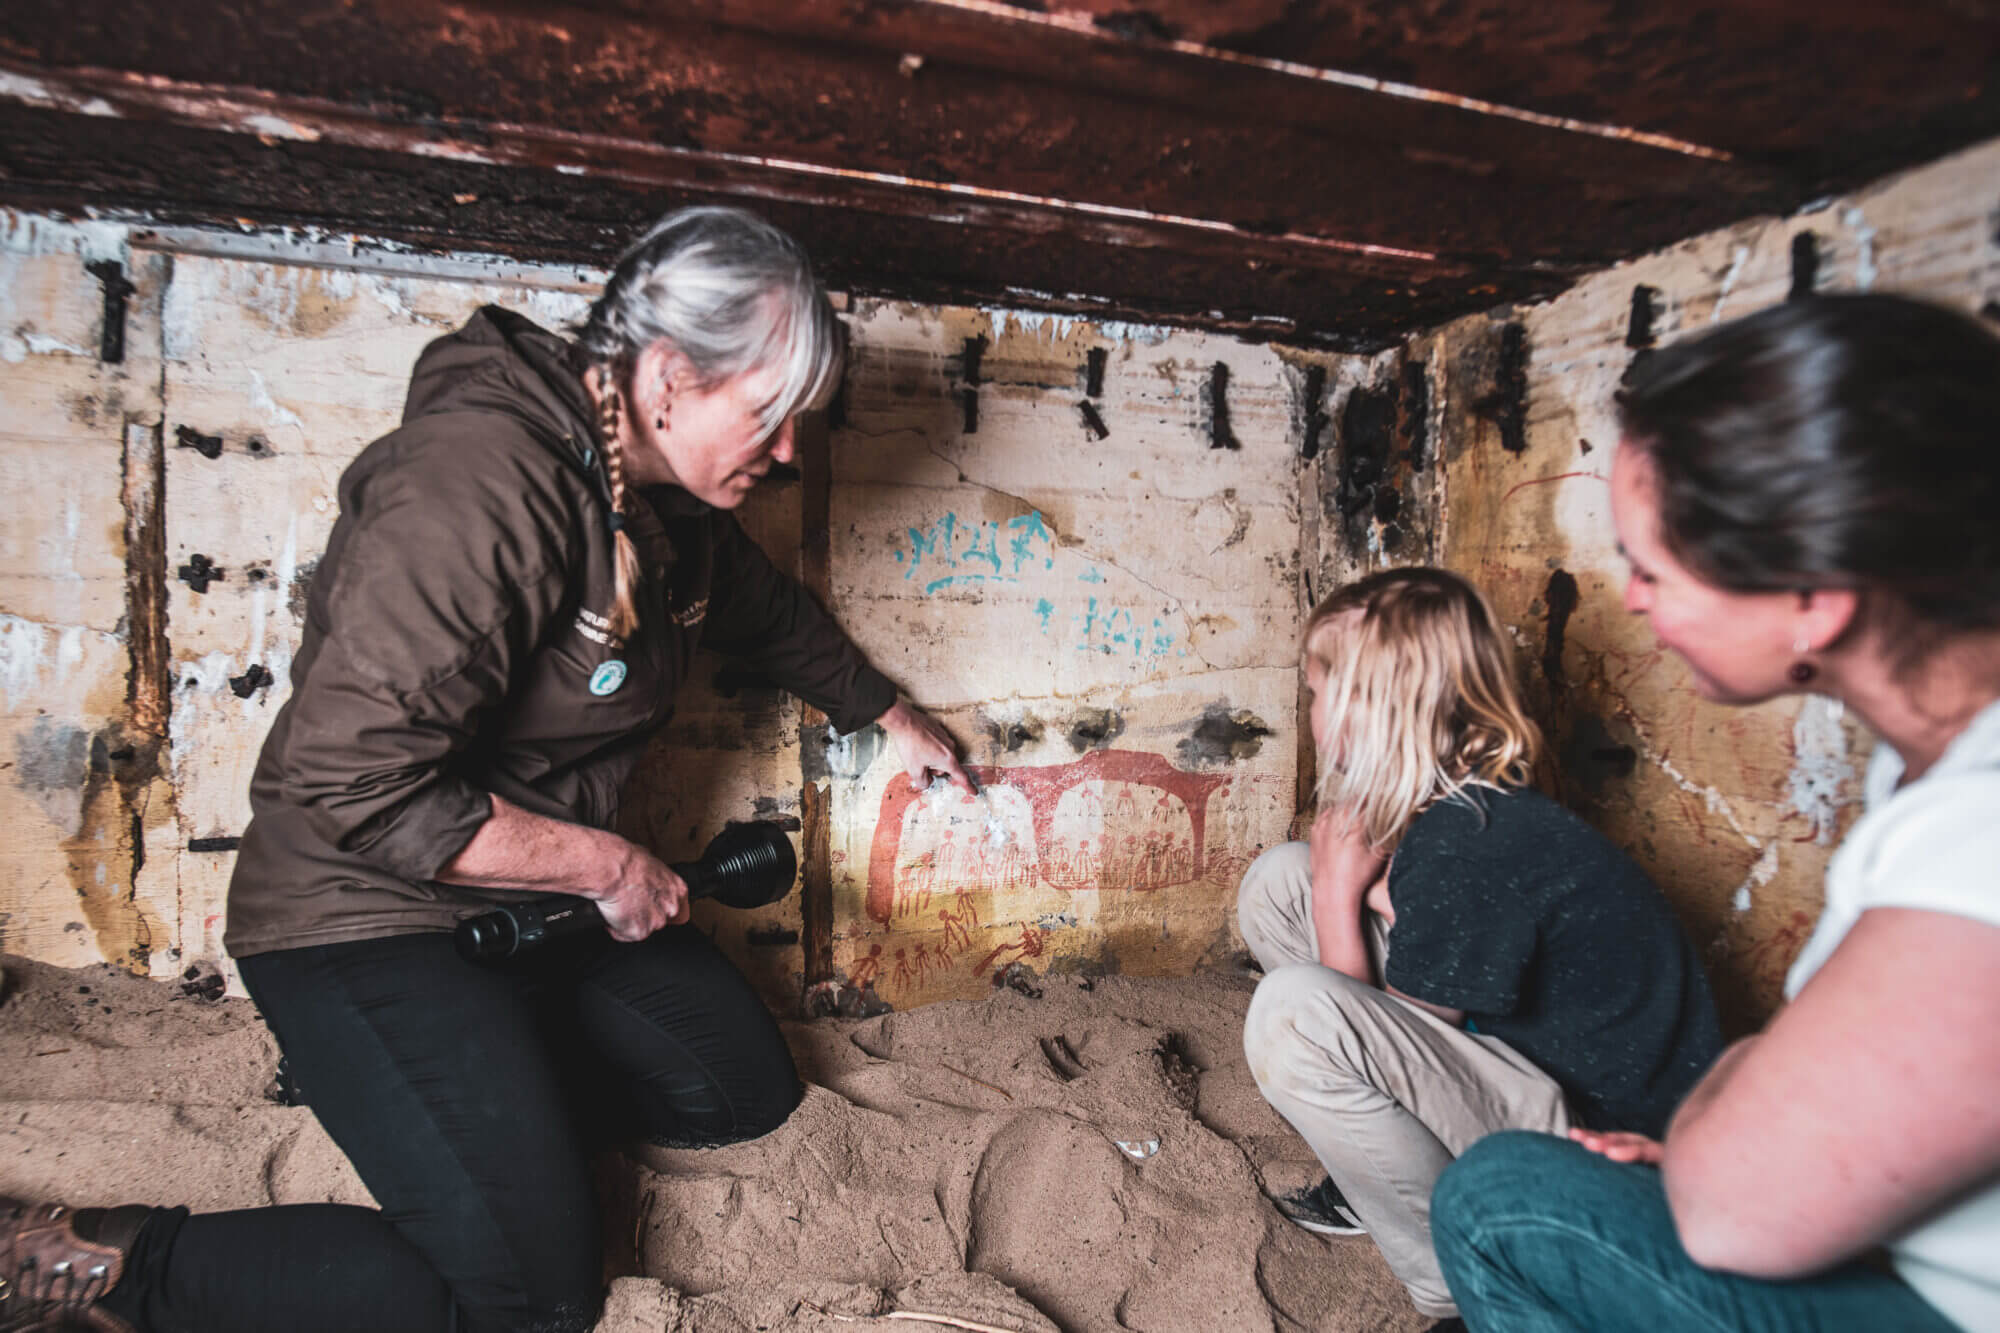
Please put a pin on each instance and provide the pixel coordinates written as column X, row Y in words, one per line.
column 732, row 294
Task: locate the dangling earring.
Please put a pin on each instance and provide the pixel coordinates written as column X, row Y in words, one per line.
column 1802, row 671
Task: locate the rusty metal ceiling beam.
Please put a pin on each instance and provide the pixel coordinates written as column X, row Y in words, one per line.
column 125, row 96
column 1324, row 170
column 1812, row 84
column 173, row 174
column 1236, row 147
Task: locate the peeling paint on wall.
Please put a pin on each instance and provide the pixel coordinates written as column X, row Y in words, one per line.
column 1821, row 780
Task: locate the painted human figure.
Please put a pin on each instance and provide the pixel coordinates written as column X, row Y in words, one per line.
column 864, row 970
column 956, row 937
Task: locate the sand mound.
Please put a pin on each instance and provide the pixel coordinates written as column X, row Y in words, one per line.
column 1091, row 1156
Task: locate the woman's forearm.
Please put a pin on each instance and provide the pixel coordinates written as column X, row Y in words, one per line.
column 517, row 849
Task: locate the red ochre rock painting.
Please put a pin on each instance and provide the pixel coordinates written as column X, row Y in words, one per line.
column 1132, row 848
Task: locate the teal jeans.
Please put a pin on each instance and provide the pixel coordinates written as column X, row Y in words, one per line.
column 1537, row 1234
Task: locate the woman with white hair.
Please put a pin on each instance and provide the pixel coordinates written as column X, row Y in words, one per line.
column 519, row 577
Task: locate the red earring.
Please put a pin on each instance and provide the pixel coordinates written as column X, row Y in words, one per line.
column 1802, row 672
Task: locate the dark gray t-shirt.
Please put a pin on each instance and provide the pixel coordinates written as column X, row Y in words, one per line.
column 1553, row 940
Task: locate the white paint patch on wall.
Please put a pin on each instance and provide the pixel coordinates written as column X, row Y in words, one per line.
column 1760, row 874
column 1821, row 772
column 1737, row 260
column 1712, row 797
column 1059, row 328
column 29, row 650
column 38, row 234
column 1865, row 271
column 274, row 412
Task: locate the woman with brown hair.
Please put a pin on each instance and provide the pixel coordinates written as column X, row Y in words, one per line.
column 1809, row 499
column 1452, row 952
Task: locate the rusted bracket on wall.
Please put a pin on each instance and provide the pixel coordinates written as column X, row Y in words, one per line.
column 117, row 290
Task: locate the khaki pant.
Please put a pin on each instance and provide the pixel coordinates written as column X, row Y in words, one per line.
column 1385, row 1094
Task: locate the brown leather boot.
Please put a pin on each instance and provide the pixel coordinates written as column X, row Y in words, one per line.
column 55, row 1264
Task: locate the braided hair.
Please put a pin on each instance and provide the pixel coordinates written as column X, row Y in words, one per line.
column 732, row 294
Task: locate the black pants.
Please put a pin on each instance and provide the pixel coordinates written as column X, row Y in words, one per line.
column 468, row 1099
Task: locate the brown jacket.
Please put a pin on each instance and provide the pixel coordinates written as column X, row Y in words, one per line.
column 456, row 644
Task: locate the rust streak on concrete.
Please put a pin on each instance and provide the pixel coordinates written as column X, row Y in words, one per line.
column 814, row 446
column 149, row 683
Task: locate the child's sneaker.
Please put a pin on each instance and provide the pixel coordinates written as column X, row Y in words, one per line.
column 1322, row 1209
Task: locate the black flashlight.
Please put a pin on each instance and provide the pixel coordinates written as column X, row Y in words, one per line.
column 745, row 865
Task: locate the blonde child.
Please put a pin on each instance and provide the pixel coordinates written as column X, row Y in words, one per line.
column 1452, row 953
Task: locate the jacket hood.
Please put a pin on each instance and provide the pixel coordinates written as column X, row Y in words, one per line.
column 504, row 363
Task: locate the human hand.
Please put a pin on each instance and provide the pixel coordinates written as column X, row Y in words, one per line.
column 1344, row 865
column 645, row 894
column 924, row 746
column 1620, row 1145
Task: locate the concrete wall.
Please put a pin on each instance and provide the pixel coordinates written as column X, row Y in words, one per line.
column 1065, row 566
column 1046, row 529
column 1024, row 521
column 1735, row 811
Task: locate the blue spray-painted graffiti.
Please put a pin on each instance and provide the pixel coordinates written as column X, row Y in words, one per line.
column 1114, row 629
column 952, row 553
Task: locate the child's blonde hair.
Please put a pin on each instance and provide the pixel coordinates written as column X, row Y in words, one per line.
column 1420, row 699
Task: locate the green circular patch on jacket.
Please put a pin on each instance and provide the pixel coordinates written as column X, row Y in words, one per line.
column 608, row 677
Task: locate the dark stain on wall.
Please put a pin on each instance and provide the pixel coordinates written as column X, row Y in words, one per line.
column 1367, row 443
column 1594, row 755
column 1222, row 736
column 969, row 360
column 770, row 937
column 106, row 847
column 772, row 811
column 1094, row 728
column 1215, row 398
column 1417, row 412
column 1313, row 419
column 51, row 756
column 1805, row 265
column 1560, row 597
column 1011, row 736
column 1507, row 406
column 218, row 844
column 199, row 572
column 300, row 593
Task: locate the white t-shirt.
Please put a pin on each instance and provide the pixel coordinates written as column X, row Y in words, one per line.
column 1934, row 846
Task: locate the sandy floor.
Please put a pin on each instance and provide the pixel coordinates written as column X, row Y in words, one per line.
column 993, row 1162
